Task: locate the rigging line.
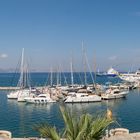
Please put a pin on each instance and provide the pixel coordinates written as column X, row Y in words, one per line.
column 94, row 69
column 57, row 76
column 29, row 80
column 28, row 76
column 15, row 73
column 22, row 70
column 84, row 63
column 71, row 68
column 47, row 79
column 79, row 74
column 60, row 80
column 74, row 72
column 89, row 69
column 65, row 78
column 51, row 77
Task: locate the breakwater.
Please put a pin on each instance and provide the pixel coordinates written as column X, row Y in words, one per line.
column 9, row 88
column 15, row 88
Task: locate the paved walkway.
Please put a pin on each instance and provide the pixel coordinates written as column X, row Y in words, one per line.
column 131, row 136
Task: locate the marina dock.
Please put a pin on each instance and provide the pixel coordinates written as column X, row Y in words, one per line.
column 14, row 88
column 9, row 88
column 130, row 136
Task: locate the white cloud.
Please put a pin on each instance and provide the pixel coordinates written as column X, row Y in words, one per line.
column 3, row 55
column 112, row 58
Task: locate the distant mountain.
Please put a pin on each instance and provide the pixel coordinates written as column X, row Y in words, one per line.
column 6, row 70
column 11, row 70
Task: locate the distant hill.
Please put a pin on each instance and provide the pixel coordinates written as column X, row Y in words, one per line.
column 6, row 70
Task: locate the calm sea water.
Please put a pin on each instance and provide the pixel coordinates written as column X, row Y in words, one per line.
column 40, row 79
column 19, row 118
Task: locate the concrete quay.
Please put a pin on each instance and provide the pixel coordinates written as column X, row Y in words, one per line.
column 15, row 88
column 9, row 88
column 130, row 136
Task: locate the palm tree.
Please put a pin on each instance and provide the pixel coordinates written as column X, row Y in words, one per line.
column 85, row 127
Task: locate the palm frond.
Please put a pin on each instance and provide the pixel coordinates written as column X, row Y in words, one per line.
column 85, row 127
column 70, row 124
column 99, row 126
column 46, row 130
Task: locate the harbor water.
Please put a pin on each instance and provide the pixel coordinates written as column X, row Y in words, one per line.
column 19, row 118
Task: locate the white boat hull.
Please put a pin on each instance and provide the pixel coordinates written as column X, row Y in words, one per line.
column 39, row 100
column 110, row 96
column 90, row 98
column 14, row 96
column 22, row 98
column 19, row 94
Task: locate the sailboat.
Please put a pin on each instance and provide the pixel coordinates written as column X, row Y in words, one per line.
column 83, row 95
column 114, row 94
column 23, row 83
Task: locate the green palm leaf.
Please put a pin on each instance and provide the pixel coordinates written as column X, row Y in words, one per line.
column 85, row 127
column 47, row 131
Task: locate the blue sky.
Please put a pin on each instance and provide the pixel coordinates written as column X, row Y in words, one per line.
column 51, row 31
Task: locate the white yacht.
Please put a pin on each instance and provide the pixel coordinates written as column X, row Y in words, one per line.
column 25, row 93
column 114, row 94
column 23, row 83
column 81, row 98
column 40, row 99
column 18, row 93
column 130, row 77
column 13, row 94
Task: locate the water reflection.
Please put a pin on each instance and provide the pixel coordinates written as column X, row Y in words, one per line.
column 113, row 104
column 20, row 117
column 29, row 108
column 26, row 115
column 95, row 108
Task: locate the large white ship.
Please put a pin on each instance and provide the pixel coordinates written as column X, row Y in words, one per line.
column 112, row 72
column 130, row 77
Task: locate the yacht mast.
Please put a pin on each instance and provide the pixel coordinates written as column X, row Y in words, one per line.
column 57, row 73
column 89, row 68
column 60, row 76
column 84, row 63
column 21, row 80
column 60, row 79
column 95, row 69
column 71, row 67
column 51, row 77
